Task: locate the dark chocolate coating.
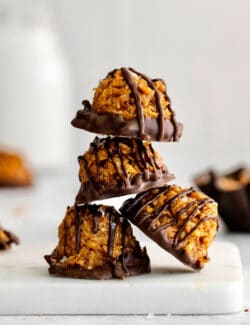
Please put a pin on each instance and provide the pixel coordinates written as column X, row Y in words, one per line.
column 127, row 264
column 12, row 239
column 160, row 129
column 134, row 210
column 95, row 190
column 234, row 205
column 136, row 264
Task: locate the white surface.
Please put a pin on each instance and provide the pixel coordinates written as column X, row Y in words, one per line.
column 170, row 289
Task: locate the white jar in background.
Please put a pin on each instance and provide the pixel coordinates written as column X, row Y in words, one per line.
column 35, row 90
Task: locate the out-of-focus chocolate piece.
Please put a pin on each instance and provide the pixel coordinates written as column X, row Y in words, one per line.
column 95, row 242
column 232, row 192
column 182, row 221
column 7, row 238
column 128, row 103
column 119, row 166
column 206, row 183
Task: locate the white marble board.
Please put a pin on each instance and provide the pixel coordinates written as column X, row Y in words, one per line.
column 171, row 288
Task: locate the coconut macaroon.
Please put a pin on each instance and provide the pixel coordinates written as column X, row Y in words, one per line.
column 113, row 95
column 128, row 103
column 7, row 238
column 95, row 242
column 181, row 220
column 13, row 170
column 118, row 166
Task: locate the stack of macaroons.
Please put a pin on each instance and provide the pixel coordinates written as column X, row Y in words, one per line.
column 96, row 241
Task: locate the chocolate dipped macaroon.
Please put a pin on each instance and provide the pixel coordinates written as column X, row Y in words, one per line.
column 13, row 170
column 128, row 103
column 95, row 242
column 118, row 166
column 182, row 221
column 7, row 238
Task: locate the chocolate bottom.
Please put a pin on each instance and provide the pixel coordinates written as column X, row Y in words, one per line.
column 144, row 212
column 180, row 254
column 131, row 265
column 160, row 238
column 88, row 192
column 113, row 124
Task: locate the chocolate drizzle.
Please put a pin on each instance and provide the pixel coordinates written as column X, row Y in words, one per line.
column 135, row 210
column 112, row 230
column 135, row 93
column 151, row 84
column 139, row 108
column 78, row 223
column 150, row 173
column 96, row 212
column 173, row 117
column 116, row 152
column 81, row 211
column 168, row 205
column 124, row 233
column 141, row 127
column 199, row 206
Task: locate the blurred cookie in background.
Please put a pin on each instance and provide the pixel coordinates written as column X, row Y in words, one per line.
column 14, row 171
